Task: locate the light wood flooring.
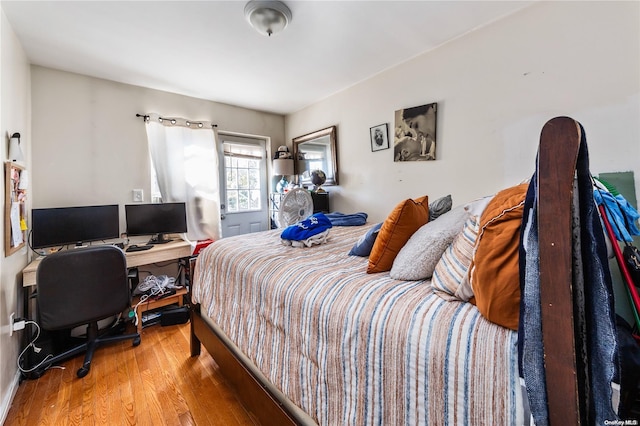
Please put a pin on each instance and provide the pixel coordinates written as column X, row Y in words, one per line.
column 156, row 383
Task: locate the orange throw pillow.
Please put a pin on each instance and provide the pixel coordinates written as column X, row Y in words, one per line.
column 495, row 276
column 405, row 219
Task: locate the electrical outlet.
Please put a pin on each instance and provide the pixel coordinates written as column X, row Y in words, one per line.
column 11, row 317
column 138, row 195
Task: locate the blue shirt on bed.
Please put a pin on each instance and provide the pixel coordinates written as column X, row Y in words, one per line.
column 309, row 227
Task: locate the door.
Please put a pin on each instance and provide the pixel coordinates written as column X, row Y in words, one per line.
column 243, row 179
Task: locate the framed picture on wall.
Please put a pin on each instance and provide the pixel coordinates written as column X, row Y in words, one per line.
column 415, row 133
column 379, row 137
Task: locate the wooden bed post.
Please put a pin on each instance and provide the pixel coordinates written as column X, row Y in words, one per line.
column 195, row 345
column 558, row 153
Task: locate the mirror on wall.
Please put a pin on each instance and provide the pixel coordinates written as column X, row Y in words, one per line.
column 316, row 150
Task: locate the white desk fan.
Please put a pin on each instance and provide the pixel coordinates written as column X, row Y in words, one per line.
column 297, row 205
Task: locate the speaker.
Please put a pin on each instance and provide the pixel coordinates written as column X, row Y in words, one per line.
column 174, row 316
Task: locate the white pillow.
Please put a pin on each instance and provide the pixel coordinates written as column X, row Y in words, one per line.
column 476, row 207
column 419, row 256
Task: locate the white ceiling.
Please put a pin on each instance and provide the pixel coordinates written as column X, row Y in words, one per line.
column 206, row 49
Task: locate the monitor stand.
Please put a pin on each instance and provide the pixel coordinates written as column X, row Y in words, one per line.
column 159, row 239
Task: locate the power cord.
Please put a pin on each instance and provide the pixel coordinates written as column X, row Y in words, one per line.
column 150, row 287
column 151, row 282
column 35, row 349
column 39, row 253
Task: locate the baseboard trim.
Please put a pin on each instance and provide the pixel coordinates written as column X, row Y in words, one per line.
column 8, row 398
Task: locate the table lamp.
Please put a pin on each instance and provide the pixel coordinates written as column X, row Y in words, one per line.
column 282, row 167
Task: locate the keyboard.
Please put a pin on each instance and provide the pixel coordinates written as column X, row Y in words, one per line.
column 135, row 247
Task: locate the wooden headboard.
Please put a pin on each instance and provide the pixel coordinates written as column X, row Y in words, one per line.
column 557, row 156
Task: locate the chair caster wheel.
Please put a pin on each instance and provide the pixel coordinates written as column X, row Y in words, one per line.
column 136, row 341
column 83, row 371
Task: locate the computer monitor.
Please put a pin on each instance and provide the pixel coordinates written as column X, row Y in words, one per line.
column 74, row 225
column 157, row 220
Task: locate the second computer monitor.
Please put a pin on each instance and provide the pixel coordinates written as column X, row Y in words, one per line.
column 157, row 220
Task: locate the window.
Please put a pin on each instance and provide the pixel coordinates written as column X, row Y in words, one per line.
column 242, row 177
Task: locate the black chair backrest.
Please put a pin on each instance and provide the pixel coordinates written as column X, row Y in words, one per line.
column 81, row 285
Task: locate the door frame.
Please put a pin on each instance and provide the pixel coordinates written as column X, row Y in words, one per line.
column 225, row 136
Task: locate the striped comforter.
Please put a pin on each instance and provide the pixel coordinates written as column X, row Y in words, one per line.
column 351, row 348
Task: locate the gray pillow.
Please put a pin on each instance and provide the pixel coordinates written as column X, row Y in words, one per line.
column 439, row 207
column 419, row 256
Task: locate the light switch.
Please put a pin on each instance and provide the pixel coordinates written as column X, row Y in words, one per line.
column 138, row 195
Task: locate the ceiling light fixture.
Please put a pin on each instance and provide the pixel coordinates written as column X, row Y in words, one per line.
column 267, row 17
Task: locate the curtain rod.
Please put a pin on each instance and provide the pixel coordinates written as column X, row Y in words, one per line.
column 173, row 120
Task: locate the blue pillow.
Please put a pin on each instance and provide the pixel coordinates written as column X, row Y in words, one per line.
column 364, row 245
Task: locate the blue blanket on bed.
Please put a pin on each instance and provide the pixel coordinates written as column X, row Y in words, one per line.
column 342, row 219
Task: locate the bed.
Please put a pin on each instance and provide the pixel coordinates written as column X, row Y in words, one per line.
column 307, row 336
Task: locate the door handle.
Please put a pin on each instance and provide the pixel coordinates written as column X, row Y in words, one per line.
column 222, row 217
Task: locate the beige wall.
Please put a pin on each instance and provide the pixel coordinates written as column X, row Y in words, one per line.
column 495, row 89
column 90, row 148
column 15, row 95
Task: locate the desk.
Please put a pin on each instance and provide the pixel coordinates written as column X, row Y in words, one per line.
column 160, row 253
column 173, row 250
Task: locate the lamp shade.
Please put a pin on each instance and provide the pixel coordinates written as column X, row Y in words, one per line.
column 283, row 167
column 15, row 153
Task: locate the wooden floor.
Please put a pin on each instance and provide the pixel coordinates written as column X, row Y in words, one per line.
column 156, row 383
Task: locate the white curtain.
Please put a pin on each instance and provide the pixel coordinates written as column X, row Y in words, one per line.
column 185, row 159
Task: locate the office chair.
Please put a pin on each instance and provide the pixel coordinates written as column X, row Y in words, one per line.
column 82, row 286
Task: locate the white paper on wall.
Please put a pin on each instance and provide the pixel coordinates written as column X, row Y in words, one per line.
column 16, row 232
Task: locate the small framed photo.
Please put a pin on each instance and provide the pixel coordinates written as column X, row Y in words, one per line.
column 379, row 137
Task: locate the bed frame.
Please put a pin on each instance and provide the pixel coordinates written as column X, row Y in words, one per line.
column 557, row 156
